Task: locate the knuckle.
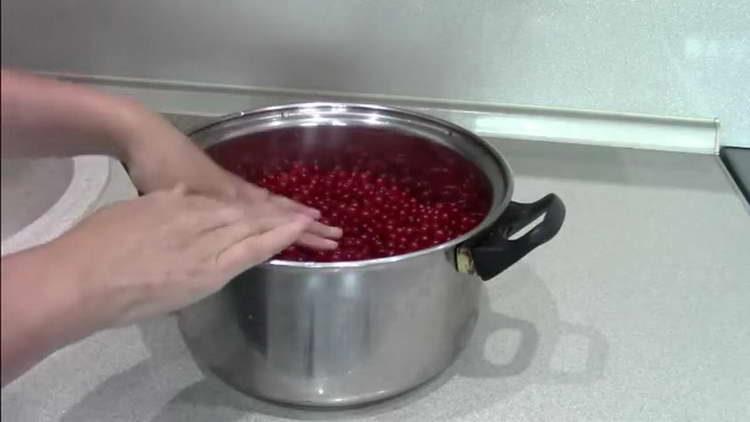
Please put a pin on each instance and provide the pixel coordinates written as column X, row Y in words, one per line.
column 180, row 189
column 194, row 201
column 159, row 195
column 218, row 262
column 167, row 198
column 282, row 201
column 263, row 194
column 259, row 210
column 186, row 222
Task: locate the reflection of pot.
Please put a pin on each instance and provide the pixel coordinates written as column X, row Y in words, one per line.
column 336, row 334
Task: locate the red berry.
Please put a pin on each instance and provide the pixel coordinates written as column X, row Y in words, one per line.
column 390, row 193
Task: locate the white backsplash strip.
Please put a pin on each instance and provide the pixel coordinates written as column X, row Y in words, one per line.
column 492, row 120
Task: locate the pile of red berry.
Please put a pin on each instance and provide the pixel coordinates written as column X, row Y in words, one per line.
column 394, row 196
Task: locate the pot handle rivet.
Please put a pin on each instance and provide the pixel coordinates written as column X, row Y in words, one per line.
column 464, row 260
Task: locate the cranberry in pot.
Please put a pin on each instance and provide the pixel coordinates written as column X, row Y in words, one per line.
column 392, row 193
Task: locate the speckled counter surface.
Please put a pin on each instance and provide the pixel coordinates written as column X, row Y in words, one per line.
column 638, row 310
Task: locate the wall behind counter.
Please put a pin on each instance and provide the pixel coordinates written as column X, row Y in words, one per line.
column 681, row 58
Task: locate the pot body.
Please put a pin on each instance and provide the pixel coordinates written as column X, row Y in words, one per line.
column 349, row 333
column 335, row 337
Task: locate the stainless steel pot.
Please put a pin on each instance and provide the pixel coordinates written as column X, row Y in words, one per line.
column 349, row 333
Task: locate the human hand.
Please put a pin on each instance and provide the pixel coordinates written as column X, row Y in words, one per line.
column 165, row 250
column 160, row 157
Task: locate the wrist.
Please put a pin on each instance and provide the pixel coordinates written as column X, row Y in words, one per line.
column 63, row 276
column 40, row 310
column 92, row 294
column 130, row 123
column 144, row 136
column 47, row 304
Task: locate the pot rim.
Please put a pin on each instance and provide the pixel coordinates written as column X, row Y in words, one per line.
column 486, row 223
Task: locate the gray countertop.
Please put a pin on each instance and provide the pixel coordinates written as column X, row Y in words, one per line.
column 737, row 161
column 638, row 310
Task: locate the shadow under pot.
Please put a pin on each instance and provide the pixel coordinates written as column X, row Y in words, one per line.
column 362, row 329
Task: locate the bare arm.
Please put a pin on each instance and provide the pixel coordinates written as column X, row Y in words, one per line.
column 42, row 117
column 153, row 255
column 40, row 311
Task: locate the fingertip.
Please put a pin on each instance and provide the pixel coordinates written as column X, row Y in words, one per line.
column 329, row 244
column 337, row 232
column 316, row 242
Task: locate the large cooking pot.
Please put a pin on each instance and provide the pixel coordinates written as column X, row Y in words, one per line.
column 349, row 333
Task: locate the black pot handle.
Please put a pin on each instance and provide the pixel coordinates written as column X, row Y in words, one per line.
column 494, row 251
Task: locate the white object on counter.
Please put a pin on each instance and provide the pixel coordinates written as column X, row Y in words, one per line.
column 96, row 181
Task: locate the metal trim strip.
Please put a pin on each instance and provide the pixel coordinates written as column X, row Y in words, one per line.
column 523, row 122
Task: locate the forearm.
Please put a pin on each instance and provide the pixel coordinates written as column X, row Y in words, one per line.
column 42, row 310
column 43, row 117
